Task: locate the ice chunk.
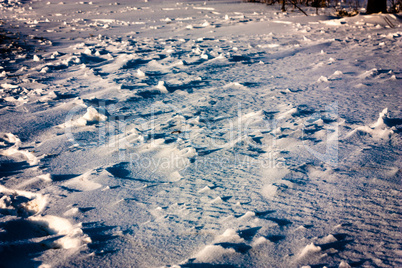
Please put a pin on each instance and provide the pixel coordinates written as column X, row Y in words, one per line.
column 36, row 58
column 140, row 73
column 308, row 250
column 21, row 155
column 73, row 235
column 230, row 235
column 161, row 87
column 379, row 130
column 9, row 138
column 212, row 253
column 344, row 264
column 9, row 86
column 336, row 75
column 92, row 115
column 322, row 79
column 21, row 203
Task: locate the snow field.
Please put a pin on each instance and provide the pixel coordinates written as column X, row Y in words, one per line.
column 190, row 134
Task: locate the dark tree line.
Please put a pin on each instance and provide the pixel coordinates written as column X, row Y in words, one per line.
column 373, row 6
column 376, row 6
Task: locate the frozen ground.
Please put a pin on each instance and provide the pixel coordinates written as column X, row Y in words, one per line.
column 192, row 134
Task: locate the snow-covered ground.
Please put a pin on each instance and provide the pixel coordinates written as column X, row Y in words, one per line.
column 198, row 134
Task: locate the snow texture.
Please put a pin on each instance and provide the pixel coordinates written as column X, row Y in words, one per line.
column 198, row 134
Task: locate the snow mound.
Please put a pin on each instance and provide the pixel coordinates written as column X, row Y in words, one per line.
column 379, row 130
column 91, row 117
column 212, row 254
column 12, row 144
column 309, row 250
column 82, row 183
column 73, row 237
column 9, row 139
column 21, row 203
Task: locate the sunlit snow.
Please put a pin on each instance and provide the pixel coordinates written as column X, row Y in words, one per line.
column 198, row 134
